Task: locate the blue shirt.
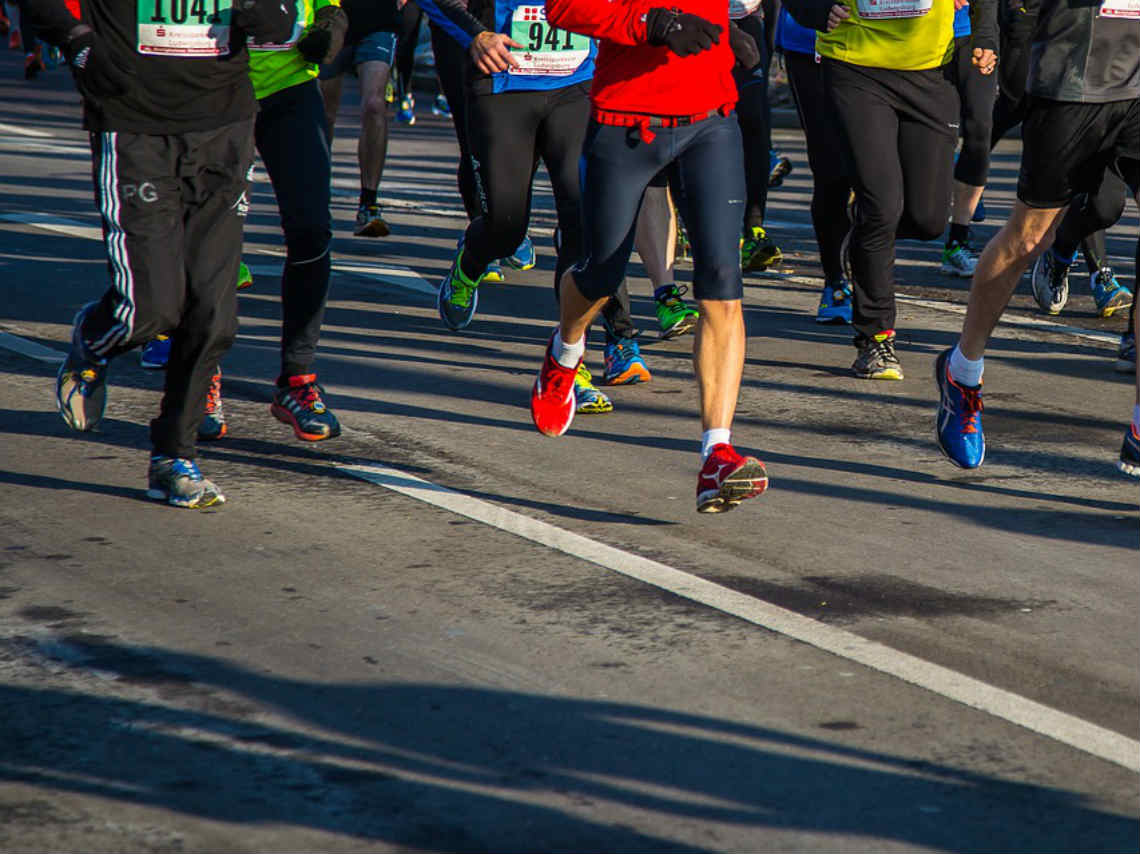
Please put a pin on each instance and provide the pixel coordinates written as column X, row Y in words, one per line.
column 793, row 37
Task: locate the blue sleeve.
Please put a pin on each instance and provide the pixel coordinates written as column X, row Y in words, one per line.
column 453, row 18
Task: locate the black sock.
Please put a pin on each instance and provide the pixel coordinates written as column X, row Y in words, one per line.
column 367, row 197
column 959, row 234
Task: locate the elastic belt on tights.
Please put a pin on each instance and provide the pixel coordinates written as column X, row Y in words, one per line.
column 644, row 122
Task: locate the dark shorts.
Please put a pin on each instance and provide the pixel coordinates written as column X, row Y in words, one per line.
column 374, row 47
column 705, row 167
column 1066, row 148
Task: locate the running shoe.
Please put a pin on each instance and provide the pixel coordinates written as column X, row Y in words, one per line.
column 213, row 424
column 245, row 277
column 440, row 107
column 390, row 92
column 370, row 222
column 178, row 482
column 958, row 260
column 675, row 316
column 493, row 273
column 1130, row 453
column 779, row 168
column 587, row 397
column 727, row 478
column 682, row 248
column 1126, row 354
column 155, row 353
column 758, row 252
column 1050, row 281
column 552, row 399
column 979, row 214
column 34, row 63
column 458, row 297
column 958, row 426
column 877, row 359
column 1110, row 295
column 522, row 258
column 81, row 384
column 834, row 303
column 300, row 406
column 624, row 364
column 406, row 115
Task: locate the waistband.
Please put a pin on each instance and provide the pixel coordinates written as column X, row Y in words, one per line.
column 643, row 121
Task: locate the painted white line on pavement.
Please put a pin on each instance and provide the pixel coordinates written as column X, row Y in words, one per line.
column 30, row 348
column 1029, row 322
column 58, row 224
column 23, row 131
column 1034, row 716
column 391, row 274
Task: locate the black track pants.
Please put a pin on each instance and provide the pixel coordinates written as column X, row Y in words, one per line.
column 977, row 93
column 173, row 208
column 293, row 143
column 754, row 113
column 450, row 62
column 899, row 135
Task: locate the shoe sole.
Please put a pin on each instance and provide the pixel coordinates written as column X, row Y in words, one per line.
column 1130, row 469
column 954, row 271
column 286, row 417
column 679, row 328
column 1110, row 310
column 833, row 318
column 160, row 495
column 515, row 266
column 939, row 367
column 750, row 481
column 756, row 267
column 1047, row 306
column 82, row 422
column 374, row 229
column 891, row 375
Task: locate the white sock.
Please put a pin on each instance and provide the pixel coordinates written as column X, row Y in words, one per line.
column 568, row 355
column 710, row 438
column 1136, row 419
column 967, row 372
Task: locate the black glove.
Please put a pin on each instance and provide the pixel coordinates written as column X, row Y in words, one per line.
column 322, row 41
column 265, row 21
column 682, row 33
column 743, row 47
column 97, row 75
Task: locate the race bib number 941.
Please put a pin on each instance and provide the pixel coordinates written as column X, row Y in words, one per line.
column 185, row 28
column 545, row 49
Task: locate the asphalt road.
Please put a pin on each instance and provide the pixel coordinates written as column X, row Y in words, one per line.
column 443, row 631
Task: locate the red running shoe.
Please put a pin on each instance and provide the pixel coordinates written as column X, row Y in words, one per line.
column 727, row 478
column 552, row 401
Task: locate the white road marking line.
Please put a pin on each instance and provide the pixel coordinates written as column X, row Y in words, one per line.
column 391, row 274
column 23, row 131
column 30, row 348
column 1029, row 322
column 1034, row 716
column 58, row 224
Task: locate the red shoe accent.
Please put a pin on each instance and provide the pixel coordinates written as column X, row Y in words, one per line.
column 727, row 478
column 552, row 402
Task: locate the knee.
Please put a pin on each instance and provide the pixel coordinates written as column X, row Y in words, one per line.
column 928, row 225
column 374, row 107
column 305, row 245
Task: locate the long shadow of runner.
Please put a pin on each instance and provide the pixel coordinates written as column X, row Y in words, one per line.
column 474, row 769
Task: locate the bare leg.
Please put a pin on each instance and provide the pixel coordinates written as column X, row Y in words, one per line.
column 330, row 92
column 373, row 146
column 718, row 360
column 1027, row 234
column 655, row 238
column 576, row 311
column 964, row 202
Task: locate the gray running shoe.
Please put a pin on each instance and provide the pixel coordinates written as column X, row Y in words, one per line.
column 81, row 384
column 178, row 482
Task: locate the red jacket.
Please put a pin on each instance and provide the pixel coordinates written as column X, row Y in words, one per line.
column 635, row 77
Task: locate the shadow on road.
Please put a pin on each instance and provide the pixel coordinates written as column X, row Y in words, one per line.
column 477, row 769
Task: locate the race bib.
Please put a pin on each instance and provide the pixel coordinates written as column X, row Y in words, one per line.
column 738, row 9
column 1120, row 9
column 872, row 9
column 546, row 50
column 184, row 28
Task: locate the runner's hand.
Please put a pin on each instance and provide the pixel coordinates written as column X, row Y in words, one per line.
column 837, row 16
column 985, row 60
column 959, row 5
column 324, row 38
column 682, row 33
column 265, row 21
column 97, row 76
column 491, row 52
column 743, row 47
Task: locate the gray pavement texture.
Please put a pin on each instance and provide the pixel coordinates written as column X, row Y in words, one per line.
column 326, row 664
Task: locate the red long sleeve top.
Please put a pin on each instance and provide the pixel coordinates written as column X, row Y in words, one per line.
column 632, row 76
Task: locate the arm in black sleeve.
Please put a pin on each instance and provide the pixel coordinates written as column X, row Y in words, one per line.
column 265, row 21
column 452, row 17
column 983, row 24
column 810, row 13
column 51, row 19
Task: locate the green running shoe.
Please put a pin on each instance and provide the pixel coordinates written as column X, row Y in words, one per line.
column 758, row 252
column 673, row 313
column 458, row 297
column 245, row 277
column 587, row 397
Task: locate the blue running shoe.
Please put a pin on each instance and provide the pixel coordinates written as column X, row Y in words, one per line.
column 155, row 353
column 979, row 214
column 959, row 423
column 406, row 114
column 523, row 258
column 178, row 482
column 1110, row 295
column 624, row 364
column 440, row 107
column 1130, row 453
column 458, row 297
column 81, row 384
column 588, row 398
column 493, row 273
column 834, row 303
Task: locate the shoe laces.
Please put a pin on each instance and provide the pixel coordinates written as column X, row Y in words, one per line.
column 583, row 378
column 308, row 396
column 882, row 348
column 626, row 349
column 971, row 408
column 555, row 377
column 1104, row 279
column 673, row 296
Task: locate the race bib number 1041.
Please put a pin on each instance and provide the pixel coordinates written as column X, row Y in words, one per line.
column 184, row 28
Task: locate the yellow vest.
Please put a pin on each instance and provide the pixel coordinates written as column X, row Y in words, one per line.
column 899, row 43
